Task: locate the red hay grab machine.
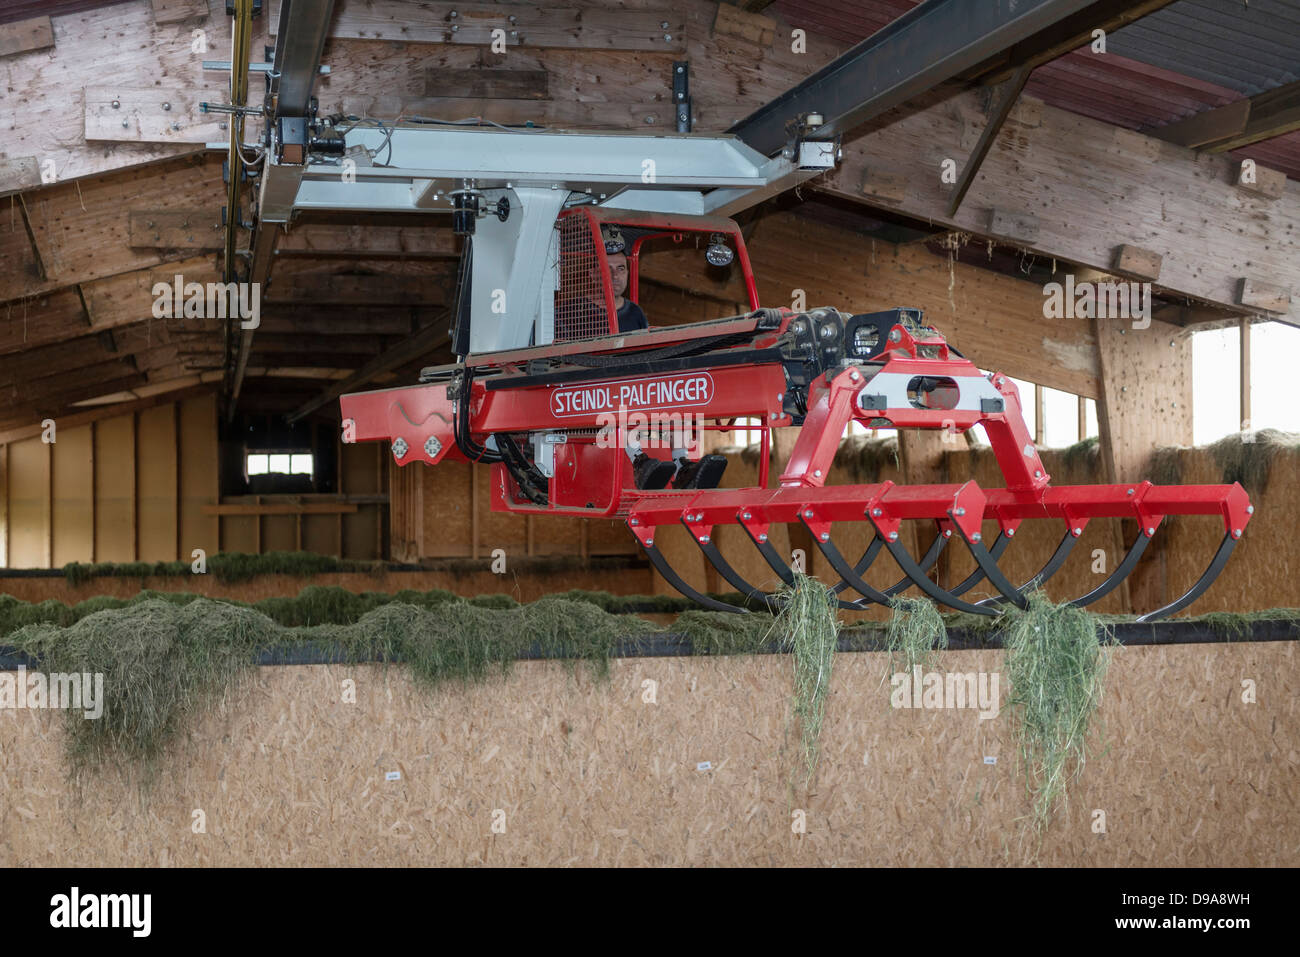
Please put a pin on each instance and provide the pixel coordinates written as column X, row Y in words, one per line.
column 551, row 415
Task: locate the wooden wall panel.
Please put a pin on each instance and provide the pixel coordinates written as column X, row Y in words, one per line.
column 29, row 504
column 320, row 533
column 447, row 517
column 4, row 506
column 198, row 475
column 74, row 496
column 279, row 533
column 115, row 489
column 239, row 533
column 156, row 487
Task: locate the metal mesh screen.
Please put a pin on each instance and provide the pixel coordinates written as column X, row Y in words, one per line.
column 580, row 311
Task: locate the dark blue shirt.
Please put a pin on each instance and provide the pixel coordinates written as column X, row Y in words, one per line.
column 631, row 318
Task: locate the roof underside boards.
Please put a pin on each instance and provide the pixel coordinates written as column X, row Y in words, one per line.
column 1189, row 57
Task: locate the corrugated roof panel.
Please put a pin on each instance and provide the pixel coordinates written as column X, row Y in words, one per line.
column 1247, row 47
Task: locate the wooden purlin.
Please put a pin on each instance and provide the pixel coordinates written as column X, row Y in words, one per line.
column 1107, row 186
column 83, row 230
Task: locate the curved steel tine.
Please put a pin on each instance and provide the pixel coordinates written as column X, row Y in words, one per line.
column 841, row 566
column 1119, row 574
column 724, row 568
column 927, row 562
column 1205, row 581
column 773, row 558
column 863, row 564
column 1047, row 571
column 974, row 578
column 994, row 574
column 670, row 576
column 914, row 572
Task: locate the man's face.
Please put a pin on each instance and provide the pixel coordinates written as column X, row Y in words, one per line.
column 618, row 273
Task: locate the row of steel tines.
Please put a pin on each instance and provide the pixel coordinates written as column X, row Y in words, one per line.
column 958, row 511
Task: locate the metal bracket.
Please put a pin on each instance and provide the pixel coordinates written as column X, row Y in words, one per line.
column 682, row 95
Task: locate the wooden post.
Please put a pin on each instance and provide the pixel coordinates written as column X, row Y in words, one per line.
column 1244, row 331
column 473, row 510
column 49, row 508
column 1040, row 415
column 1146, row 402
column 380, row 452
column 1083, row 417
column 176, row 448
column 94, row 539
column 4, row 506
column 135, row 486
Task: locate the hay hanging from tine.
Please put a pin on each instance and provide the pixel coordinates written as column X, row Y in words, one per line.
column 809, row 628
column 1056, row 661
column 915, row 634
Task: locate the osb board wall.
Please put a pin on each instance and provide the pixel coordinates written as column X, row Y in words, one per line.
column 522, row 585
column 585, row 773
column 121, row 489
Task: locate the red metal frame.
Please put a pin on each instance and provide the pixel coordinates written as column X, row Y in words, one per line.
column 668, row 224
column 594, row 478
column 598, row 482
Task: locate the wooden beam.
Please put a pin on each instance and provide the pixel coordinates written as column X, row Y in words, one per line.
column 24, row 36
column 309, row 508
column 1243, row 332
column 1260, row 180
column 1159, row 197
column 416, row 347
column 18, row 173
column 74, row 419
column 264, row 242
column 1263, row 116
column 1137, row 262
column 148, row 114
column 1003, row 97
column 744, row 25
column 332, row 288
column 519, row 26
column 593, row 82
column 1264, row 296
column 82, row 231
column 495, row 84
column 175, row 11
column 175, row 229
